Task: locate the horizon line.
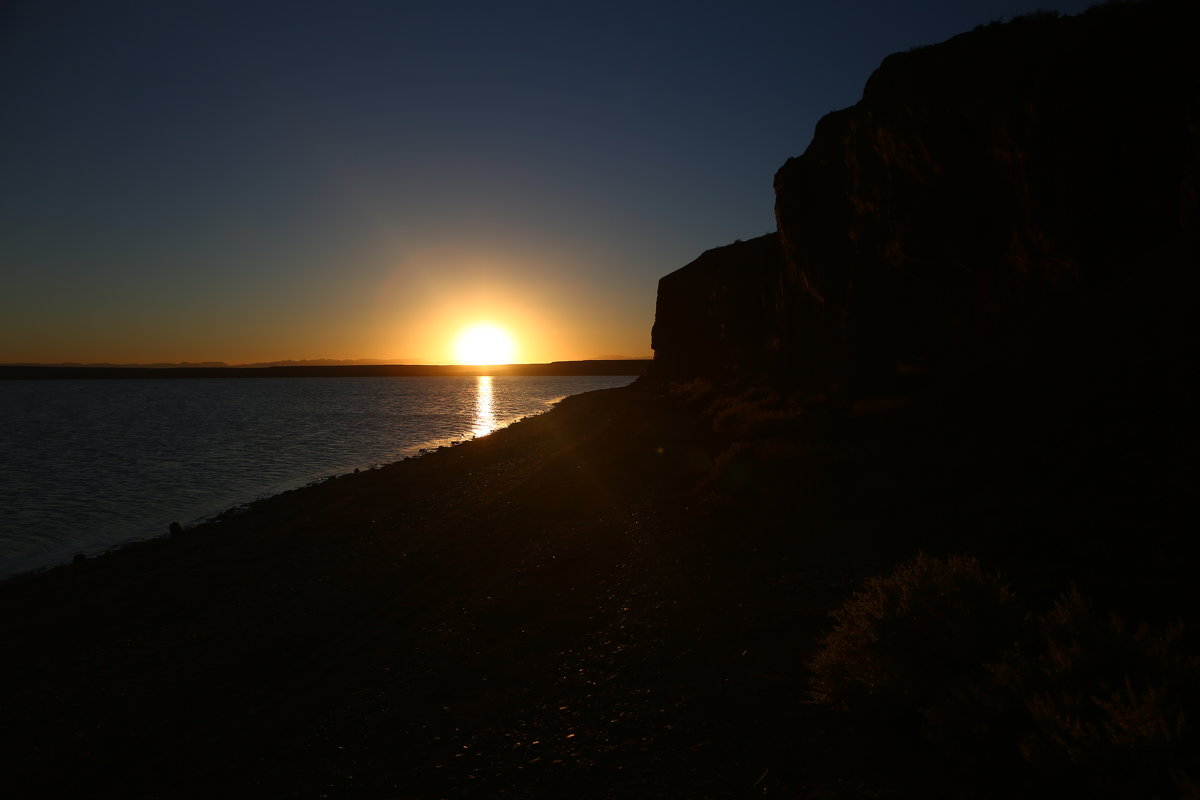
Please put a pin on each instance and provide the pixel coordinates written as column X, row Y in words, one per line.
column 313, row 362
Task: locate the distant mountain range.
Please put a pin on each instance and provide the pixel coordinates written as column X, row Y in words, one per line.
column 310, row 362
column 331, row 362
column 109, row 364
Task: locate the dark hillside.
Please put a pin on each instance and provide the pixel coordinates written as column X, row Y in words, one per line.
column 979, row 339
column 985, row 287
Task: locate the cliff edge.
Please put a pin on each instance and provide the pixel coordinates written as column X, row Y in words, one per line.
column 1022, row 190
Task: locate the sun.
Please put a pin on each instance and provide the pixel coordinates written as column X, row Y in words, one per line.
column 484, row 343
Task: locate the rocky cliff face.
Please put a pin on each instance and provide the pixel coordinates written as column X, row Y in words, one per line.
column 728, row 311
column 987, row 195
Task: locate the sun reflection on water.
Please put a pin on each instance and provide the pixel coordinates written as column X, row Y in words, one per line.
column 485, row 415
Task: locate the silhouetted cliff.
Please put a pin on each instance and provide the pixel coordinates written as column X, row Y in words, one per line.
column 1024, row 188
column 725, row 311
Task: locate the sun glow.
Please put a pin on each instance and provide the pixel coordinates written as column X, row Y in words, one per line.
column 484, row 343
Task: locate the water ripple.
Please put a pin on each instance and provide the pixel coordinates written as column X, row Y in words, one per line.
column 86, row 465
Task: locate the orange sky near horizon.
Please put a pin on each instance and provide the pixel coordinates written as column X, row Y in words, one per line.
column 551, row 313
column 259, row 182
column 411, row 309
column 426, row 338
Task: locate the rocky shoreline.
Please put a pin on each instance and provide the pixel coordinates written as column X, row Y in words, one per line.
column 618, row 598
column 526, row 614
column 569, row 606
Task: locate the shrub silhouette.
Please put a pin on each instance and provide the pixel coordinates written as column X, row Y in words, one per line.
column 756, row 466
column 753, row 412
column 1109, row 703
column 1075, row 700
column 910, row 640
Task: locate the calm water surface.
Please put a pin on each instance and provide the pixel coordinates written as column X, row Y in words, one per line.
column 86, row 465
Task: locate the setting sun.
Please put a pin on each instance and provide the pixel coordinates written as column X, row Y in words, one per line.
column 484, row 344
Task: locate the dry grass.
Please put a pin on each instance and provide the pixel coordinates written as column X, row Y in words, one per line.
column 906, row 638
column 1109, row 702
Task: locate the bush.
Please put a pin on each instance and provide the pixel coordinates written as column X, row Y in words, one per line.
column 1088, row 703
column 756, row 466
column 913, row 638
column 1108, row 703
column 748, row 413
column 693, row 392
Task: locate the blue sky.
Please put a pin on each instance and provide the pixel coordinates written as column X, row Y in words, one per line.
column 251, row 181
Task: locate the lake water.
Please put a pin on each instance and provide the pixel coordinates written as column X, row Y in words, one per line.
column 87, row 465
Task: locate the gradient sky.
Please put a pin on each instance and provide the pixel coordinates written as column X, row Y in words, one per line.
column 254, row 181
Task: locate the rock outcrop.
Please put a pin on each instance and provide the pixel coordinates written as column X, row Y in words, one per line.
column 989, row 198
column 727, row 311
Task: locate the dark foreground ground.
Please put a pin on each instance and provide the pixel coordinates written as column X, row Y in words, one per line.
column 615, row 599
